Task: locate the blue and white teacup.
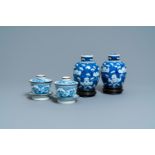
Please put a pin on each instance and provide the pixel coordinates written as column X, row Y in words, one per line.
column 41, row 87
column 66, row 90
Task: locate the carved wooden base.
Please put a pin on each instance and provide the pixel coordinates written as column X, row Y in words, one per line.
column 86, row 93
column 112, row 90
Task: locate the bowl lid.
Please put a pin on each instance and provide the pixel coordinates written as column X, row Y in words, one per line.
column 40, row 79
column 65, row 81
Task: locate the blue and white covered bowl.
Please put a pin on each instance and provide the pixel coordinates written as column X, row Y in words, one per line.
column 66, row 90
column 113, row 73
column 41, row 86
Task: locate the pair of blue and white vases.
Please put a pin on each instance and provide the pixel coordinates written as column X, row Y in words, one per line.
column 87, row 74
column 66, row 89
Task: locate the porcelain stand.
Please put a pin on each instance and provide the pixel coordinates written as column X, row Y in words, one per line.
column 66, row 102
column 40, row 98
column 86, row 93
column 112, row 90
column 69, row 100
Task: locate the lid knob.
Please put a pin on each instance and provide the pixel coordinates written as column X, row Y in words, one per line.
column 66, row 78
column 40, row 75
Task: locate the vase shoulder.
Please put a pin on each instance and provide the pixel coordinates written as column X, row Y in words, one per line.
column 114, row 63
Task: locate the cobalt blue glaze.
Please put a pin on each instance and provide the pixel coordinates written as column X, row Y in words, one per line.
column 113, row 72
column 41, row 89
column 41, row 85
column 86, row 73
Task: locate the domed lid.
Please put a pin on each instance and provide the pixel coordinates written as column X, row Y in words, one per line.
column 114, row 57
column 40, row 79
column 87, row 57
column 65, row 81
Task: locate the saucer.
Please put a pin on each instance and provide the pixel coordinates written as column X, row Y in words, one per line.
column 69, row 100
column 39, row 97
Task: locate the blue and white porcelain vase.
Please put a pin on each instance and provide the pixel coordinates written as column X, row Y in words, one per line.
column 113, row 73
column 87, row 74
column 66, row 90
column 41, row 87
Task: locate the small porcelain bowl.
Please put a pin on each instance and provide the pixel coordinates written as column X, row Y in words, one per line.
column 66, row 90
column 41, row 87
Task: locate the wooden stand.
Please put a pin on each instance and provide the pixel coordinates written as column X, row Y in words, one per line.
column 86, row 93
column 112, row 90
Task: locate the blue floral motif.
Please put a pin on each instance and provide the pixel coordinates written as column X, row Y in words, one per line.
column 66, row 82
column 86, row 73
column 66, row 92
column 41, row 89
column 113, row 73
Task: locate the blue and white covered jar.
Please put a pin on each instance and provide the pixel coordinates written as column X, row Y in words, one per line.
column 66, row 90
column 113, row 73
column 41, row 87
column 87, row 74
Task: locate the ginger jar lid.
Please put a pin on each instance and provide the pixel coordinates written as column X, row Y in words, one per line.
column 87, row 57
column 40, row 79
column 114, row 57
column 66, row 81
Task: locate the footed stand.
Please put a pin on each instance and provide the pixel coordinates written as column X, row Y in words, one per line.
column 86, row 93
column 40, row 98
column 66, row 102
column 112, row 90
